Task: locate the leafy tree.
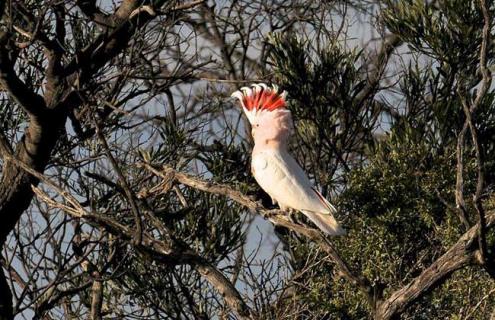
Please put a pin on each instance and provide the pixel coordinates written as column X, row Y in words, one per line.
column 125, row 185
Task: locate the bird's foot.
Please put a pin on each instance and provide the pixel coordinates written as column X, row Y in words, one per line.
column 291, row 214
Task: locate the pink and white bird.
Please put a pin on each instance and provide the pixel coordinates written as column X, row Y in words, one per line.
column 275, row 170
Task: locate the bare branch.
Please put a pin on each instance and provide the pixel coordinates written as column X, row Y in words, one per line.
column 91, row 10
column 390, row 43
column 123, row 182
column 31, row 102
column 126, row 8
column 487, row 78
column 188, row 5
column 459, row 189
column 96, row 297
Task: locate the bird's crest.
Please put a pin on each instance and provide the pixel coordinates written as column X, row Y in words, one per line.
column 259, row 97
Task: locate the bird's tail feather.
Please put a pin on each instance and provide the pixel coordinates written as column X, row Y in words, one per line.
column 326, row 223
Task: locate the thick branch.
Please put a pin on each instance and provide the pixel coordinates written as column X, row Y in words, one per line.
column 458, row 256
column 126, row 8
column 31, row 102
column 34, row 150
column 91, row 10
column 96, row 297
column 5, row 147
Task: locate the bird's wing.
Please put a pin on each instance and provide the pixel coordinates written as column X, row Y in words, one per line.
column 285, row 181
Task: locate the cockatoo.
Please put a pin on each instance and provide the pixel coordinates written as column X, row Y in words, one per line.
column 275, row 170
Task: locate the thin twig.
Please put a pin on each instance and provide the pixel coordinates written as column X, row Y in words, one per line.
column 188, row 5
column 123, row 182
column 479, row 304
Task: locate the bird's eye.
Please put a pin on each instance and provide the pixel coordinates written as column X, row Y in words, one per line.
column 257, row 125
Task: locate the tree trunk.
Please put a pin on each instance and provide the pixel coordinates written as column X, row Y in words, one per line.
column 6, row 312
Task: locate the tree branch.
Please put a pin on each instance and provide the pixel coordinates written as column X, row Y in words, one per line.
column 31, row 103
column 169, row 253
column 96, row 297
column 5, row 147
column 379, row 64
column 277, row 217
column 125, row 186
column 458, row 256
column 485, row 84
column 459, row 185
column 91, row 10
column 469, row 112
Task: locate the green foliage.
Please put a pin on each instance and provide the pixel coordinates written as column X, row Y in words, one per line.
column 449, row 30
column 397, row 227
column 399, row 203
column 323, row 85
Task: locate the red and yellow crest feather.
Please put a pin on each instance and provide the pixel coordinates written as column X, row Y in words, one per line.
column 260, row 97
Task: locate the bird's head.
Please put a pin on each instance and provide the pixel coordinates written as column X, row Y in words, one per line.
column 266, row 111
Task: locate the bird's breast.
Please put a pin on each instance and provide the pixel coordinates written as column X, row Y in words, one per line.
column 284, row 180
